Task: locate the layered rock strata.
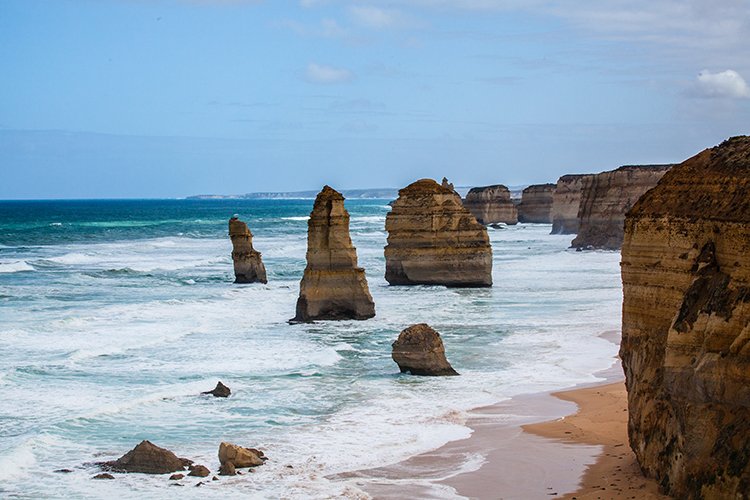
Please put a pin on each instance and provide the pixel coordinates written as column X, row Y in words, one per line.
column 536, row 204
column 606, row 197
column 434, row 240
column 333, row 286
column 419, row 350
column 566, row 200
column 686, row 325
column 248, row 265
column 491, row 205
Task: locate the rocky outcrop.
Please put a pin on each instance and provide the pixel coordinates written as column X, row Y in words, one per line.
column 220, row 391
column 419, row 350
column 199, row 471
column 239, row 456
column 149, row 459
column 248, row 265
column 536, row 204
column 333, row 286
column 434, row 240
column 566, row 200
column 606, row 197
column 491, row 205
column 686, row 325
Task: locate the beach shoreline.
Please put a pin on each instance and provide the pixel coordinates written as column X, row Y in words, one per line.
column 542, row 445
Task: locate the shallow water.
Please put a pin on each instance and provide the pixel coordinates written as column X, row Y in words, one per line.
column 115, row 315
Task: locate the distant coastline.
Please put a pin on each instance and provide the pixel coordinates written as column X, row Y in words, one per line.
column 351, row 194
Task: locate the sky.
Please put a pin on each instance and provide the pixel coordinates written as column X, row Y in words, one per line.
column 171, row 98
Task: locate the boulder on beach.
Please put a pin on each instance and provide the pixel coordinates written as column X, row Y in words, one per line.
column 199, row 471
column 240, row 456
column 434, row 240
column 103, row 475
column 685, row 343
column 248, row 265
column 419, row 350
column 220, row 391
column 333, row 287
column 227, row 469
column 149, row 459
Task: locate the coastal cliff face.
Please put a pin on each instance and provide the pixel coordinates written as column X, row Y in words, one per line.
column 491, row 204
column 332, row 287
column 536, row 204
column 248, row 266
column 606, row 198
column 686, row 325
column 566, row 200
column 434, row 240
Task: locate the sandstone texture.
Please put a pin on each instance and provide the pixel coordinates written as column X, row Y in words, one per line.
column 606, row 197
column 434, row 240
column 686, row 325
column 239, row 456
column 419, row 350
column 149, row 459
column 491, row 205
column 248, row 266
column 333, row 286
column 536, row 204
column 566, row 200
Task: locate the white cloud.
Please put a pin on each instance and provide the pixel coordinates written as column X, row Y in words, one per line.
column 375, row 17
column 727, row 83
column 321, row 73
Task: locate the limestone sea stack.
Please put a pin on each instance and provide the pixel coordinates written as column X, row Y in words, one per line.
column 536, row 204
column 566, row 200
column 248, row 266
column 491, row 205
column 332, row 287
column 606, row 197
column 434, row 240
column 419, row 350
column 686, row 325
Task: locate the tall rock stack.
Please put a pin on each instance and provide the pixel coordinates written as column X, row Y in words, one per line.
column 434, row 240
column 606, row 197
column 491, row 204
column 686, row 325
column 332, row 287
column 566, row 200
column 536, row 204
column 248, row 266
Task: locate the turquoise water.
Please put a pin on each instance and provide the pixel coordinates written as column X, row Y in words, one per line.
column 115, row 315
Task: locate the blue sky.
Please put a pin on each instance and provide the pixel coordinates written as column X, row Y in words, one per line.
column 168, row 98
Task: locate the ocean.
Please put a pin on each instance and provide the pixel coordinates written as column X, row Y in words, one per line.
column 116, row 314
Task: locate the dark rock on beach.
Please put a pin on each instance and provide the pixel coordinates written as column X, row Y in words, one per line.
column 148, row 459
column 176, row 477
column 220, row 391
column 227, row 469
column 419, row 350
column 103, row 475
column 199, row 471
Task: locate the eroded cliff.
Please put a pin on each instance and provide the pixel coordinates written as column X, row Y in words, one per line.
column 605, row 199
column 333, row 286
column 434, row 240
column 491, row 204
column 536, row 204
column 686, row 325
column 566, row 200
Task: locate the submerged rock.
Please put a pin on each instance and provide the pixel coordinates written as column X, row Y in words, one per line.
column 176, row 477
column 333, row 287
column 491, row 205
column 434, row 240
column 149, row 459
column 220, row 391
column 227, row 469
column 536, row 204
column 103, row 475
column 248, row 265
column 606, row 198
column 566, row 200
column 199, row 471
column 419, row 350
column 686, row 325
column 240, row 456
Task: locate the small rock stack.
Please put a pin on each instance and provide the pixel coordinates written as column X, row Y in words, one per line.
column 248, row 266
